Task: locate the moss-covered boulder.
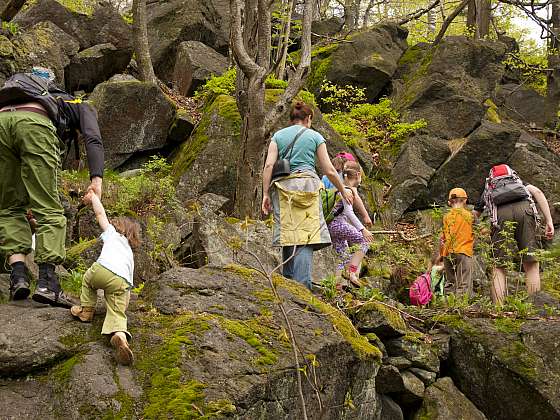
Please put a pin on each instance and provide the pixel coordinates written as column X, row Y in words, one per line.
column 509, row 369
column 89, row 22
column 134, row 117
column 448, row 85
column 172, row 22
column 443, row 401
column 95, row 65
column 44, row 44
column 368, row 60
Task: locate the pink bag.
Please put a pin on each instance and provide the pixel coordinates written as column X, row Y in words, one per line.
column 420, row 292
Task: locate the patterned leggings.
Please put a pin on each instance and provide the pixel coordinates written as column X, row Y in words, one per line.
column 343, row 236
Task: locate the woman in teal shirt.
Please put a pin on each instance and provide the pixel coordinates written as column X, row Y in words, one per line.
column 309, row 232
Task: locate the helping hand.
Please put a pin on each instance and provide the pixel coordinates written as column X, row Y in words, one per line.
column 95, row 186
column 368, row 236
column 266, row 205
column 348, row 197
column 549, row 232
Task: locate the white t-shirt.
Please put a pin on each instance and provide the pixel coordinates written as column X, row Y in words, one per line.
column 116, row 254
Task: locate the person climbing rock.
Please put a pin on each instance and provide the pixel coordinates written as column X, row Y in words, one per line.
column 299, row 226
column 36, row 118
column 508, row 199
column 113, row 273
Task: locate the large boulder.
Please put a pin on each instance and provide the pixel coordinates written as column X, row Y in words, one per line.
column 89, row 23
column 94, row 65
column 194, row 65
column 44, row 44
column 134, row 117
column 172, row 22
column 447, row 85
column 509, row 369
column 368, row 60
column 443, row 401
column 33, row 338
column 326, row 28
column 521, row 104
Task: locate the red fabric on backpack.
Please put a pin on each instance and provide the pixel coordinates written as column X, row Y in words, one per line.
column 420, row 292
column 500, row 170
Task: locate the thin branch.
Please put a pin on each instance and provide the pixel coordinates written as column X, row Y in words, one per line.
column 419, row 13
column 245, row 62
column 448, row 21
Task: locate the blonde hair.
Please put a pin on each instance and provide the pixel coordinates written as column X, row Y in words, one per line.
column 351, row 169
column 130, row 229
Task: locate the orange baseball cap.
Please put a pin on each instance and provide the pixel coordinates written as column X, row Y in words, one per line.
column 457, row 193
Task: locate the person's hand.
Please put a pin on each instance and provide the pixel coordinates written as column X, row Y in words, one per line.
column 367, row 222
column 549, row 231
column 266, row 205
column 87, row 198
column 95, row 186
column 368, row 236
column 348, row 197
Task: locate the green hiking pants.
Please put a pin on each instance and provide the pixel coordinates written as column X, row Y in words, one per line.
column 30, row 165
column 117, row 295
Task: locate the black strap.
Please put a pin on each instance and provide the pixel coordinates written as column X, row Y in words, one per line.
column 291, row 145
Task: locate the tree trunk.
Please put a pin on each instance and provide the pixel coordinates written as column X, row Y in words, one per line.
column 141, row 43
column 483, row 9
column 349, row 15
column 11, row 8
column 283, row 48
column 552, row 101
column 367, row 13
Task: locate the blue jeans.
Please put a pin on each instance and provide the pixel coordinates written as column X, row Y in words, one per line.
column 299, row 267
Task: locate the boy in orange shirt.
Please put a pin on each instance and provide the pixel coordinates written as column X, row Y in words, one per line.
column 457, row 246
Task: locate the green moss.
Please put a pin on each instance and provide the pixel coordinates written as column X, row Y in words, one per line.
column 247, row 273
column 318, row 73
column 392, row 316
column 169, row 394
column 246, row 331
column 371, row 337
column 74, row 253
column 6, row 48
column 232, row 220
column 324, row 50
column 456, row 322
column 520, row 359
column 508, row 325
column 412, row 56
column 492, row 112
column 82, row 7
column 264, row 295
column 223, row 105
column 341, row 323
column 63, row 371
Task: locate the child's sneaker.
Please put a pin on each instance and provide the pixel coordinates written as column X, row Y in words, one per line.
column 123, row 354
column 83, row 313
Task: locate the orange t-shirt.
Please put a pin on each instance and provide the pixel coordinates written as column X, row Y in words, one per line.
column 457, row 232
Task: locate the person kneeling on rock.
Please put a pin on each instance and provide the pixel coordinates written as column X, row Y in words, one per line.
column 112, row 273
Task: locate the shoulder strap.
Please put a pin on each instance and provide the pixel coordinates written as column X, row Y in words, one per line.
column 291, row 145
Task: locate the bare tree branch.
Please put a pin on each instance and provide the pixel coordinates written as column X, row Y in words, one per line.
column 419, row 13
column 247, row 64
column 448, row 21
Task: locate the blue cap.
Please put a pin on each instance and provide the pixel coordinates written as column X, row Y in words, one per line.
column 43, row 72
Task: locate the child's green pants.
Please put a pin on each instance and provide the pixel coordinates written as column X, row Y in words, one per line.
column 117, row 294
column 29, row 169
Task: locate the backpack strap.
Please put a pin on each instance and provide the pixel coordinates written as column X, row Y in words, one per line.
column 291, row 145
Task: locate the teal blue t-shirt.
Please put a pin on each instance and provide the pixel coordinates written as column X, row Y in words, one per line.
column 303, row 153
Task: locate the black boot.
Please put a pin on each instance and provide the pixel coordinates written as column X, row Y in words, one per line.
column 48, row 288
column 19, row 282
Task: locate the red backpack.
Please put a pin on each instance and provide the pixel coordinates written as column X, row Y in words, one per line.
column 420, row 292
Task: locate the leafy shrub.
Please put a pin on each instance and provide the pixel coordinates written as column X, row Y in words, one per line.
column 341, row 99
column 11, row 27
column 217, row 85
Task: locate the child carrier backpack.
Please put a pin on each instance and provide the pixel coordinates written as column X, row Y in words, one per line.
column 330, row 198
column 420, row 292
column 504, row 186
column 27, row 87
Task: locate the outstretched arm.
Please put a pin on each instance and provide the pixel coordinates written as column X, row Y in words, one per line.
column 101, row 216
column 328, row 169
column 271, row 157
column 541, row 201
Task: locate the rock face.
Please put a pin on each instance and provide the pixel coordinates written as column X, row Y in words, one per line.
column 521, row 104
column 508, row 371
column 44, row 44
column 326, row 27
column 33, row 338
column 90, row 25
column 447, row 85
column 170, row 23
column 133, row 117
column 95, row 65
column 194, row 65
column 443, row 401
column 368, row 61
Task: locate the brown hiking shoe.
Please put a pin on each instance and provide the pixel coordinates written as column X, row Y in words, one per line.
column 123, row 354
column 84, row 313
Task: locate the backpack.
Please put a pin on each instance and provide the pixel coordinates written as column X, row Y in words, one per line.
column 330, row 198
column 27, row 87
column 504, row 186
column 420, row 292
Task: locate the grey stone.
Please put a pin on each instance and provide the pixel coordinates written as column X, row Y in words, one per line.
column 390, row 410
column 424, row 375
column 521, row 104
column 401, row 363
column 443, row 401
column 420, row 354
column 194, row 65
column 414, row 388
column 182, row 127
column 389, row 380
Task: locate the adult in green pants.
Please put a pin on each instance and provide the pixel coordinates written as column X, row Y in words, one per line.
column 30, row 158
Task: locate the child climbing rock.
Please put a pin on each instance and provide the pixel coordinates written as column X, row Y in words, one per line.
column 347, row 231
column 113, row 274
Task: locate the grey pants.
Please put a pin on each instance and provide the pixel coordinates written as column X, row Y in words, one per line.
column 458, row 272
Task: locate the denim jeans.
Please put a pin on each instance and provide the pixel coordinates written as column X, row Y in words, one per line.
column 299, row 267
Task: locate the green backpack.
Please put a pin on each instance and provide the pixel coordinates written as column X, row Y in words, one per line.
column 330, row 198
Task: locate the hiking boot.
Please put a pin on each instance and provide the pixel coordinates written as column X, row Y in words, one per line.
column 48, row 289
column 19, row 282
column 123, row 354
column 83, row 313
